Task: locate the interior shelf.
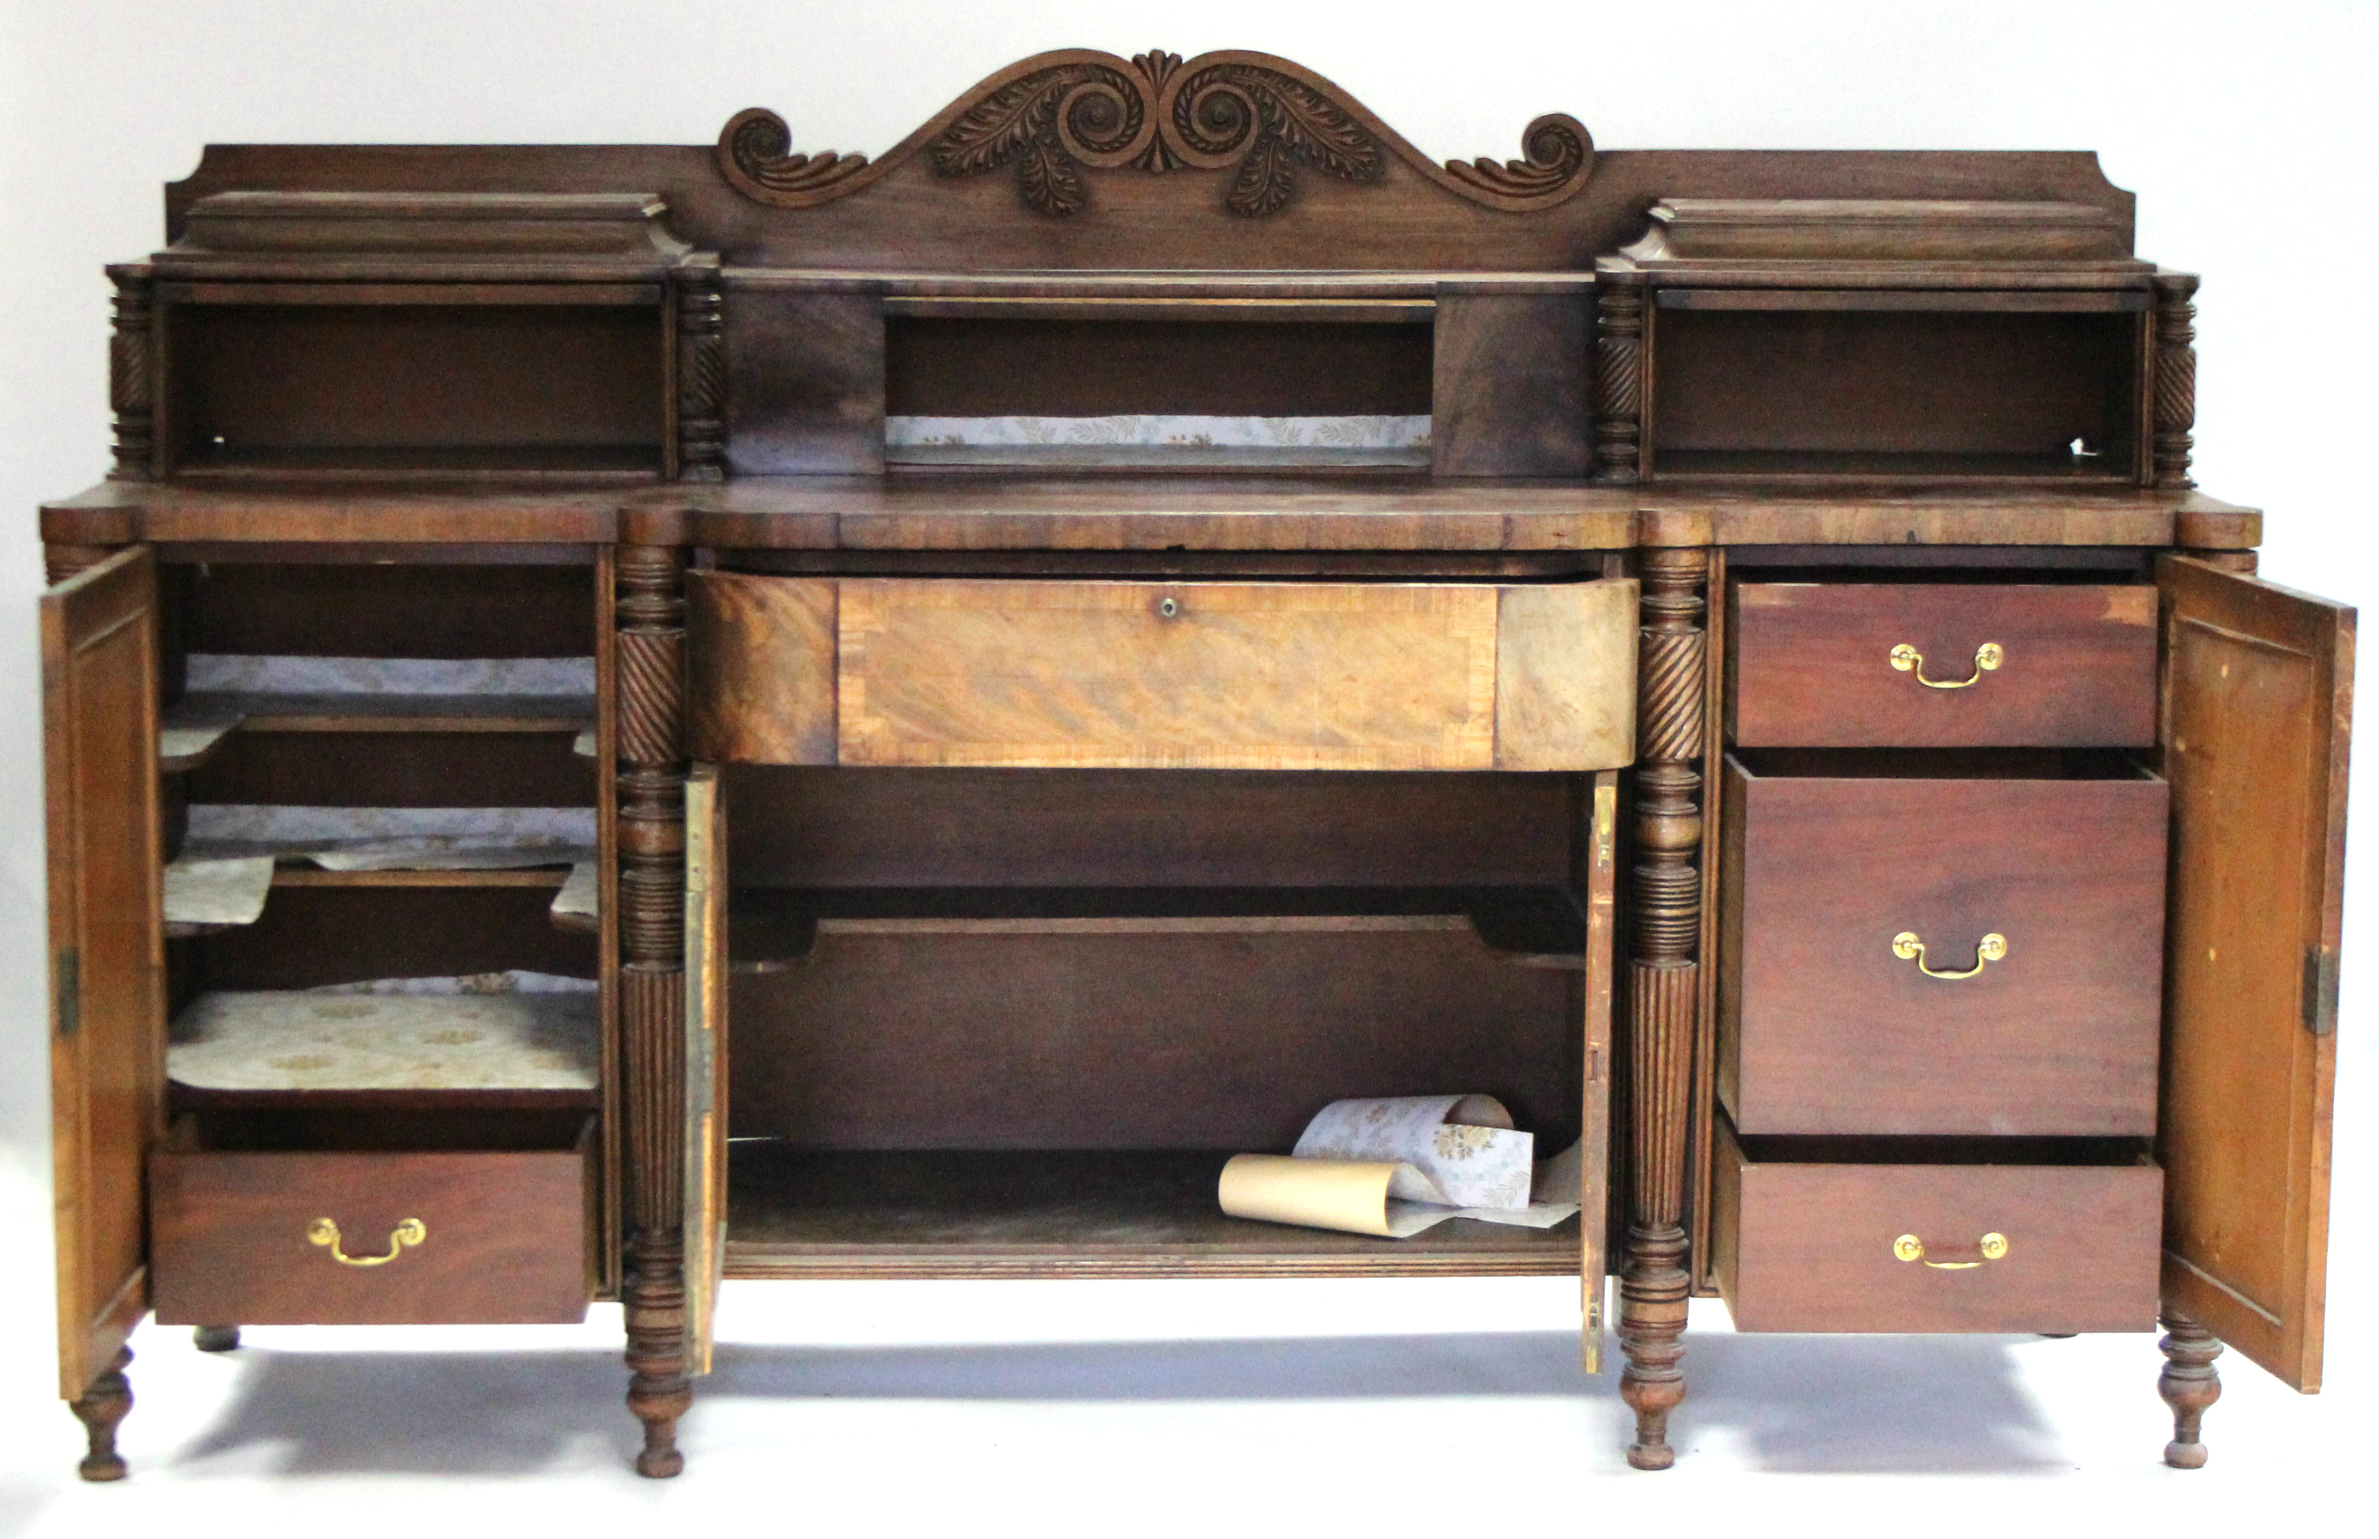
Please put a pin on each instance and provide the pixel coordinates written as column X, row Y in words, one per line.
column 774, row 926
column 236, row 1048
column 794, row 1212
column 1156, row 457
column 386, row 712
column 1788, row 465
column 591, row 462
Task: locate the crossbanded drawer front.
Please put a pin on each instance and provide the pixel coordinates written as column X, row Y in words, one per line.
column 1950, row 665
column 1969, row 956
column 1936, row 1247
column 339, row 1238
column 1186, row 675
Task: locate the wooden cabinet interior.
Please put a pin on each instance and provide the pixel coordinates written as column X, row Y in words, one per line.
column 563, row 577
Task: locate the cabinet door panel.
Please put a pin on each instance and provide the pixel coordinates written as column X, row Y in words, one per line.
column 107, row 947
column 706, row 1058
column 2258, row 690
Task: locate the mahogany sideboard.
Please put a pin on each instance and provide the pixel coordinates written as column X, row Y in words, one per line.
column 1149, row 607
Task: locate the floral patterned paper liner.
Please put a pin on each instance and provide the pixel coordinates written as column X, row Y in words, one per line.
column 1462, row 1146
column 201, row 891
column 324, row 1040
column 262, row 674
column 1188, row 432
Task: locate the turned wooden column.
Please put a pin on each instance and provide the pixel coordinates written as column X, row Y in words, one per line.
column 2176, row 377
column 701, row 373
column 1663, row 990
column 102, row 1407
column 2189, row 1384
column 651, row 641
column 1618, row 376
column 132, row 372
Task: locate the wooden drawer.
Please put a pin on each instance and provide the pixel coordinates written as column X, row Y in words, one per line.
column 1825, row 1027
column 1818, row 1245
column 1184, row 675
column 505, row 1237
column 1819, row 665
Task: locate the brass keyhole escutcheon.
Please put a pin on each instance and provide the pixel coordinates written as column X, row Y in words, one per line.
column 1167, row 607
column 325, row 1233
column 1908, row 948
column 1987, row 659
column 1909, row 1248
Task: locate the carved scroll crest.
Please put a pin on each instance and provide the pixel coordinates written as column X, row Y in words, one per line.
column 1056, row 115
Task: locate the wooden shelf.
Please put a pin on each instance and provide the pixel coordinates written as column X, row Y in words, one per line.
column 1782, row 465
column 391, row 712
column 1075, row 1213
column 772, row 927
column 606, row 462
column 258, row 1045
column 1202, row 459
column 552, row 876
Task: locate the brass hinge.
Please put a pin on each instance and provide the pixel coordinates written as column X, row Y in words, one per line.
column 2321, row 990
column 69, row 1005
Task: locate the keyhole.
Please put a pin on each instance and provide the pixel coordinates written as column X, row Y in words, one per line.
column 1167, row 608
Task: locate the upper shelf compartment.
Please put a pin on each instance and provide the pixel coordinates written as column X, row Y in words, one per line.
column 845, row 371
column 1891, row 340
column 432, row 336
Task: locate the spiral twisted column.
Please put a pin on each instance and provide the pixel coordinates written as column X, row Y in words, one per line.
column 701, row 373
column 2176, row 377
column 1664, row 971
column 650, row 656
column 132, row 373
column 1618, row 375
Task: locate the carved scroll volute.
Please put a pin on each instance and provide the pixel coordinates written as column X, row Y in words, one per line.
column 1664, row 972
column 650, row 655
column 701, row 374
column 131, row 373
column 2176, row 377
column 1618, row 375
column 1055, row 115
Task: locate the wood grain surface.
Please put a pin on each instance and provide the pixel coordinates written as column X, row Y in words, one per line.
column 2259, row 690
column 1809, row 1247
column 107, row 950
column 760, row 668
column 509, row 1236
column 1824, row 1030
column 1811, row 665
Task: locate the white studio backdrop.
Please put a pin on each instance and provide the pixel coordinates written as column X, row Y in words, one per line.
column 2248, row 134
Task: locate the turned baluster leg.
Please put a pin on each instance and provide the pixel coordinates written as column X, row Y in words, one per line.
column 102, row 1406
column 2189, row 1383
column 215, row 1338
column 1663, row 992
column 652, row 842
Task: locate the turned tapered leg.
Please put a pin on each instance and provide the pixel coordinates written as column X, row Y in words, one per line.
column 652, row 843
column 215, row 1338
column 2189, row 1383
column 102, row 1406
column 1664, row 990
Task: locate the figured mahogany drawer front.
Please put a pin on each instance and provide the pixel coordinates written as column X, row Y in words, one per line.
column 1941, row 956
column 1853, row 665
column 1183, row 675
column 278, row 1238
column 1858, row 1247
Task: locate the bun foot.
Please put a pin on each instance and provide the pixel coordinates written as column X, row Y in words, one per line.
column 2185, row 1456
column 216, row 1338
column 659, row 1463
column 102, row 1406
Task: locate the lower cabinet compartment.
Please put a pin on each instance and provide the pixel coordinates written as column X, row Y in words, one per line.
column 1873, row 1234
column 459, row 1220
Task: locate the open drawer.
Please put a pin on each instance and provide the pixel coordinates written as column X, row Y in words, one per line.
column 1183, row 675
column 455, row 1219
column 1931, row 1235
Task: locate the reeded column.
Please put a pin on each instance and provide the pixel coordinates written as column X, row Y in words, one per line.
column 1664, row 970
column 652, row 843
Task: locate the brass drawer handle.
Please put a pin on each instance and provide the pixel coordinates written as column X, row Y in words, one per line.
column 411, row 1232
column 1987, row 659
column 1909, row 1248
column 1989, row 949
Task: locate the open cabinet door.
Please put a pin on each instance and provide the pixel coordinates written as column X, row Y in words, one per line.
column 2258, row 691
column 1597, row 880
column 706, row 1058
column 107, row 947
